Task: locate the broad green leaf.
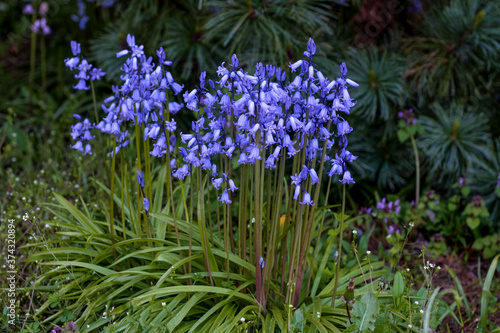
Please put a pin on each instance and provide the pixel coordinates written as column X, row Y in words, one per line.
column 365, row 312
column 473, row 223
column 398, row 287
column 403, row 135
column 486, row 293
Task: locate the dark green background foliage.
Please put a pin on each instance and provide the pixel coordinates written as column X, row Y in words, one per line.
column 439, row 58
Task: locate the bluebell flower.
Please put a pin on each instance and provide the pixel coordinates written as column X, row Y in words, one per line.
column 40, row 26
column 81, row 18
column 84, row 68
column 28, row 10
column 347, row 179
column 307, row 200
column 296, row 192
column 145, row 201
column 314, row 176
column 262, row 263
column 335, row 170
column 182, row 172
column 231, row 187
column 81, row 132
column 224, row 198
column 140, row 178
column 343, row 128
column 295, row 65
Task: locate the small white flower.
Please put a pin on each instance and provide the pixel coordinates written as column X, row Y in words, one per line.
column 422, row 311
column 242, row 319
column 416, row 302
column 47, row 226
column 354, row 231
column 163, row 304
column 88, row 326
column 439, row 267
column 368, row 252
column 407, row 269
column 410, row 326
column 290, row 306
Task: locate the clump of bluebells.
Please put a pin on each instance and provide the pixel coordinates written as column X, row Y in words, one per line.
column 40, row 25
column 81, row 131
column 86, row 71
column 248, row 117
column 248, row 122
column 262, row 116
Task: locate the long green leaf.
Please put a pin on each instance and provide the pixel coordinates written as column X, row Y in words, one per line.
column 483, row 321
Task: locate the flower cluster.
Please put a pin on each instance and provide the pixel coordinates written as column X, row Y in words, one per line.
column 140, row 181
column 81, row 17
column 85, row 70
column 40, row 25
column 262, row 117
column 408, row 116
column 389, row 207
column 143, row 100
column 81, row 132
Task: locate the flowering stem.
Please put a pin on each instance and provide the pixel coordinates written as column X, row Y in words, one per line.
column 284, row 243
column 44, row 66
column 339, row 256
column 112, row 192
column 272, row 253
column 319, row 233
column 201, row 225
column 306, row 240
column 191, row 196
column 32, row 55
column 169, row 175
column 139, row 167
column 258, row 223
column 417, row 167
column 122, row 169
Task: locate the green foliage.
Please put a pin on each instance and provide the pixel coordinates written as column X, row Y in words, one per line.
column 381, row 89
column 366, row 312
column 267, row 32
column 486, row 294
column 485, row 173
column 385, row 162
column 454, row 138
column 142, row 287
column 458, row 47
column 488, row 245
